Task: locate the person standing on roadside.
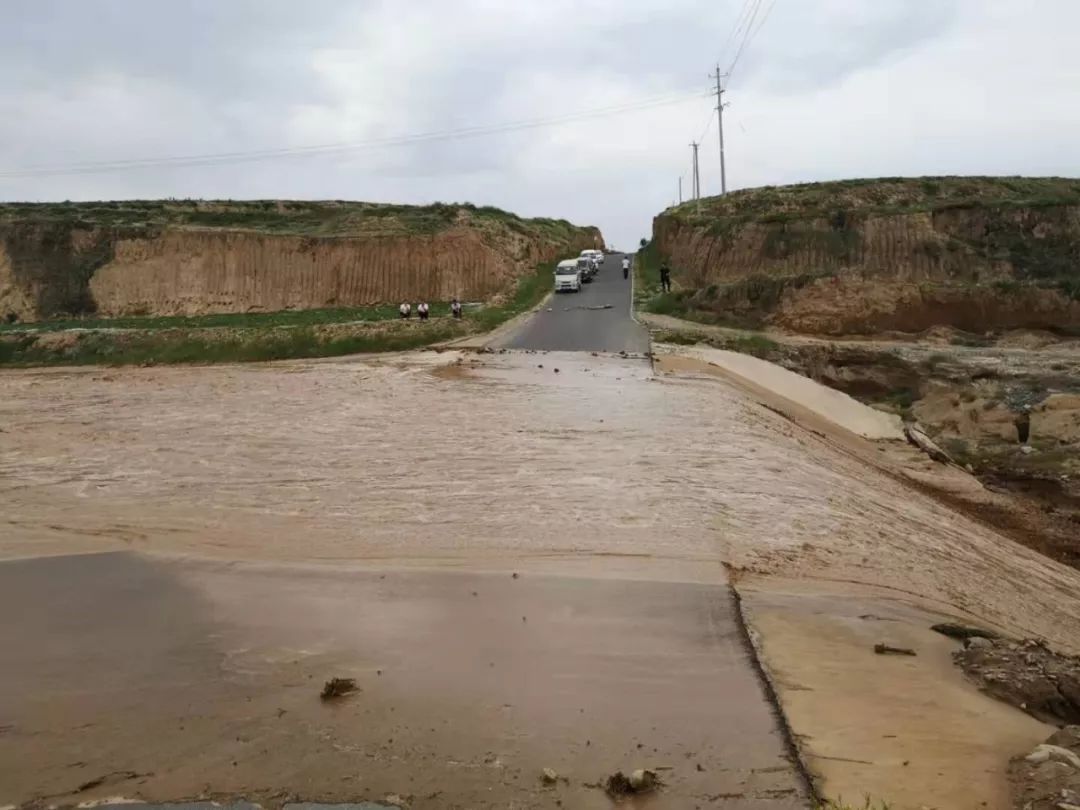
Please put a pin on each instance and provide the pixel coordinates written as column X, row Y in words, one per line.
column 626, row 267
column 405, row 309
column 455, row 308
column 665, row 277
column 422, row 310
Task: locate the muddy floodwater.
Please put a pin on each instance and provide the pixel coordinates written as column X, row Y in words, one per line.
column 521, row 558
column 552, row 461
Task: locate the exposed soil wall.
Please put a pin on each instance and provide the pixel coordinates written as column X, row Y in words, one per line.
column 47, row 268
column 845, row 266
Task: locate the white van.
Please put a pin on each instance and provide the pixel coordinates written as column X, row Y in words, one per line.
column 568, row 276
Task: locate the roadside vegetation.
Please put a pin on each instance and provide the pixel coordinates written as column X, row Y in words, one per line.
column 740, row 305
column 168, row 346
column 752, row 343
column 235, row 320
column 251, row 337
column 528, row 293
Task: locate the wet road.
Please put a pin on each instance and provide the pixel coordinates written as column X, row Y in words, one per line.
column 309, row 519
column 282, row 549
column 580, row 321
column 162, row 676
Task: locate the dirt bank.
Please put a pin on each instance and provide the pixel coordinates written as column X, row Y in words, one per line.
column 120, row 259
column 862, row 257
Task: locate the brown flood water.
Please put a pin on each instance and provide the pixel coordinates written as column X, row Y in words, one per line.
column 269, row 501
column 600, row 468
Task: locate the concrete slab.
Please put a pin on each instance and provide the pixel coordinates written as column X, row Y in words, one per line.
column 183, row 678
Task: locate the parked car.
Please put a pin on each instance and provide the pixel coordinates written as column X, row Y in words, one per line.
column 568, row 276
column 587, row 267
column 595, row 258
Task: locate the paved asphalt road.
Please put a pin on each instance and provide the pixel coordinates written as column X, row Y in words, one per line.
column 572, row 326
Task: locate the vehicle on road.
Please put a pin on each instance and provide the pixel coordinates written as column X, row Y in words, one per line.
column 568, row 276
column 587, row 267
column 597, row 257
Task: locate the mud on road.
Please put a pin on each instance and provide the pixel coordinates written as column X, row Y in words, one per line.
column 554, row 466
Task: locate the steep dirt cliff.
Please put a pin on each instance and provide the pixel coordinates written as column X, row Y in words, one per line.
column 861, row 257
column 189, row 258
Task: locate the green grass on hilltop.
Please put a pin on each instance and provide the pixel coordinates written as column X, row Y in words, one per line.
column 887, row 195
column 315, row 218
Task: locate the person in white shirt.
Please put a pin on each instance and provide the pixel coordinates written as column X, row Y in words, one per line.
column 455, row 308
column 422, row 310
column 626, row 267
column 405, row 309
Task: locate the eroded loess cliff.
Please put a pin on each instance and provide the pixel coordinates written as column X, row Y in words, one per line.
column 191, row 258
column 864, row 257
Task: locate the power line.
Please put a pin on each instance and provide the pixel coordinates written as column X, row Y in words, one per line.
column 707, row 127
column 736, row 29
column 326, row 149
column 746, row 37
column 753, row 34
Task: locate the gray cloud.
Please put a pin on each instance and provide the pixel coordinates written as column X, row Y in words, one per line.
column 829, row 88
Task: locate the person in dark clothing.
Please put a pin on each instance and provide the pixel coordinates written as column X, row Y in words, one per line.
column 455, row 308
column 665, row 277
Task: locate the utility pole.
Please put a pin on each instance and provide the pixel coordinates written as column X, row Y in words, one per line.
column 695, row 184
column 720, row 120
column 680, row 190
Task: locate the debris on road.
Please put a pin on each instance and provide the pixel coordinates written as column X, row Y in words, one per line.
column 963, row 632
column 337, row 687
column 885, row 649
column 549, row 776
column 917, row 436
column 640, row 781
column 109, row 778
column 1048, row 778
column 1028, row 675
column 1053, row 753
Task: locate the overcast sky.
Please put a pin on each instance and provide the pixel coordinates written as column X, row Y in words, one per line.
column 827, row 89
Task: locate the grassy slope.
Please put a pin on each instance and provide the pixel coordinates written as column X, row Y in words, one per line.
column 315, row 218
column 889, row 195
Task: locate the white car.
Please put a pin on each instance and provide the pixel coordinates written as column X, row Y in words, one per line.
column 568, row 276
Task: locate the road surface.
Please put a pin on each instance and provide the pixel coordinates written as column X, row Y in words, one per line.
column 201, row 548
column 597, row 319
column 171, row 679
